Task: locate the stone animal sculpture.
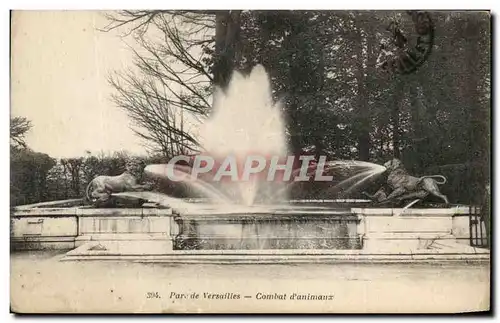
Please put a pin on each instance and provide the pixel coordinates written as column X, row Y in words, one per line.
column 379, row 195
column 99, row 190
column 404, row 186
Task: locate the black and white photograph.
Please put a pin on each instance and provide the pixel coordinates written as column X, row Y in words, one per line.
column 250, row 161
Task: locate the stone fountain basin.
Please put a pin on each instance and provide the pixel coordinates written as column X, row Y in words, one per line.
column 281, row 236
column 259, row 228
column 295, row 233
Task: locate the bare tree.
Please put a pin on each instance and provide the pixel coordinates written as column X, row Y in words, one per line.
column 179, row 56
column 19, row 126
column 169, row 90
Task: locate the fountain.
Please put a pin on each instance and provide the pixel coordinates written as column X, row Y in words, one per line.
column 244, row 140
column 245, row 174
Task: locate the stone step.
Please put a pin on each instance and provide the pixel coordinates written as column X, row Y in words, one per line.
column 157, row 251
column 282, row 259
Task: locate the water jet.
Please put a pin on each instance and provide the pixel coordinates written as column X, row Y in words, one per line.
column 249, row 218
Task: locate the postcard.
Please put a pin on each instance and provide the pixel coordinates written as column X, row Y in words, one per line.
column 250, row 161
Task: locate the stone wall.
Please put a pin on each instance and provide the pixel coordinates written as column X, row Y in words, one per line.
column 357, row 228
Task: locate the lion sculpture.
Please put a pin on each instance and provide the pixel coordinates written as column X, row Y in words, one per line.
column 404, row 186
column 99, row 190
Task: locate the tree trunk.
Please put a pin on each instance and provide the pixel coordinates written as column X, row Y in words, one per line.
column 478, row 152
column 363, row 117
column 396, row 139
column 227, row 31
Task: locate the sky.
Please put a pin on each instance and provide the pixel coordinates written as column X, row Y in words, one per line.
column 59, row 68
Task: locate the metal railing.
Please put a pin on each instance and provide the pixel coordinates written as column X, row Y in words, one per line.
column 478, row 227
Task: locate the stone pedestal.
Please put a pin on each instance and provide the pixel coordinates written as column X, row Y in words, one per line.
column 467, row 229
column 67, row 228
column 120, row 225
column 398, row 229
column 36, row 229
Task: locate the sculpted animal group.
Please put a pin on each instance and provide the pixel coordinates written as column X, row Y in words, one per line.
column 99, row 190
column 404, row 186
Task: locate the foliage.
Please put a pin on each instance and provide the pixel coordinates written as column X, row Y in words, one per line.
column 36, row 177
column 326, row 69
column 28, row 176
column 19, row 126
